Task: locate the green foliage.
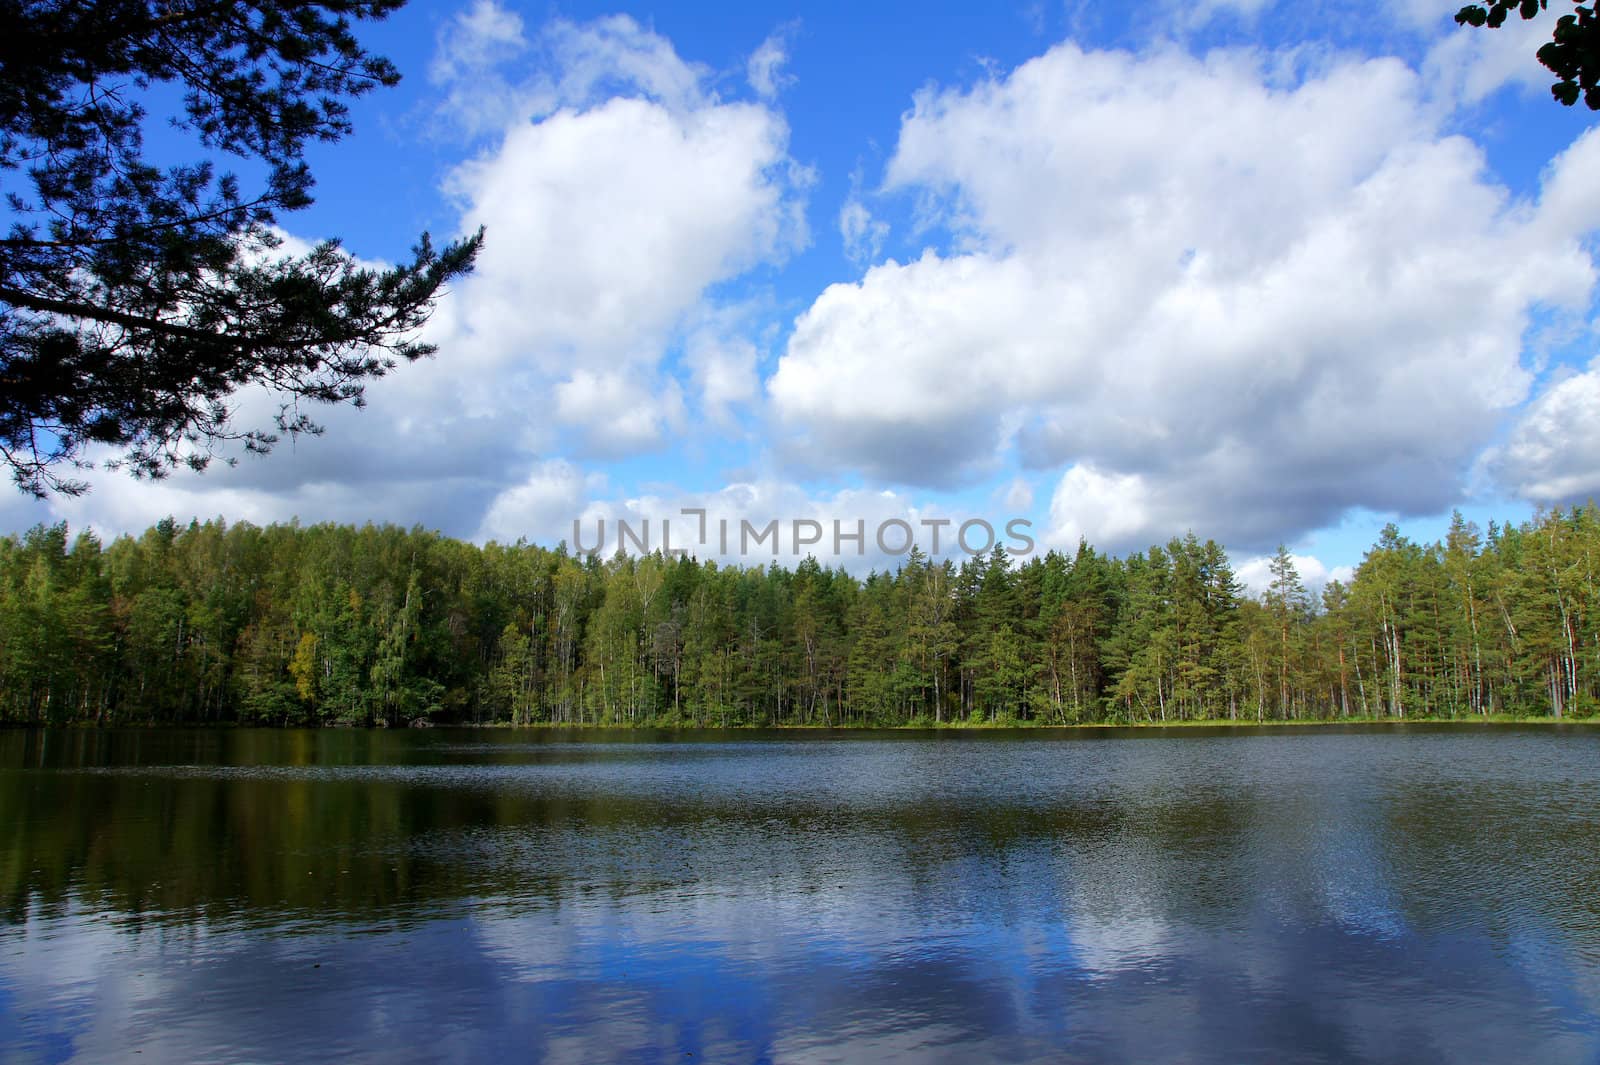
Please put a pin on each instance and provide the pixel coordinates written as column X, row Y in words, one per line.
column 384, row 626
column 136, row 300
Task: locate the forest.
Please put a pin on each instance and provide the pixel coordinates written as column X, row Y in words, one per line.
column 380, row 625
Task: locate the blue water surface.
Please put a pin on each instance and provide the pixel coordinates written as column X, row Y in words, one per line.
column 1408, row 895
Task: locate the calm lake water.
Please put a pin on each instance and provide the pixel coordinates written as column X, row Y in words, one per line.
column 1385, row 894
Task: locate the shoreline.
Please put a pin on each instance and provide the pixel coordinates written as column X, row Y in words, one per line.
column 942, row 727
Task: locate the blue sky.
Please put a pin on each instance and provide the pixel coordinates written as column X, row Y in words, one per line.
column 1269, row 272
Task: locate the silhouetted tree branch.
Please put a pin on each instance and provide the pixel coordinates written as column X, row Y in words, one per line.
column 136, row 300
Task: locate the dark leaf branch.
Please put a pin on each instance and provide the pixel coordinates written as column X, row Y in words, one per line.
column 1572, row 54
column 155, row 381
column 136, row 301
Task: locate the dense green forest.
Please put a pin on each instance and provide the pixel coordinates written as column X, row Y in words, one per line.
column 381, row 625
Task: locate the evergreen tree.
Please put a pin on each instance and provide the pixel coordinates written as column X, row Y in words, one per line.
column 135, row 300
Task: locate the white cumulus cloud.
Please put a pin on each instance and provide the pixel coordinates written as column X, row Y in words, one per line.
column 617, row 191
column 1208, row 298
column 1553, row 454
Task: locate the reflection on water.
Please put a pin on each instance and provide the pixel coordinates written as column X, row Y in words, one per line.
column 1405, row 895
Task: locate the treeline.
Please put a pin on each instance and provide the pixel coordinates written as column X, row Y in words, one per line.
column 382, row 625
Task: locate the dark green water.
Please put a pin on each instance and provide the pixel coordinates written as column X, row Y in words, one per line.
column 1386, row 895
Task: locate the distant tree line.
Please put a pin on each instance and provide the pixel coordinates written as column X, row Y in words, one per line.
column 381, row 625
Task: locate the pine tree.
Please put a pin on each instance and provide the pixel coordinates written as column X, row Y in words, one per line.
column 135, row 300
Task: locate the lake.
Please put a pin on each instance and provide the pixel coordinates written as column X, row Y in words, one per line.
column 1362, row 894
